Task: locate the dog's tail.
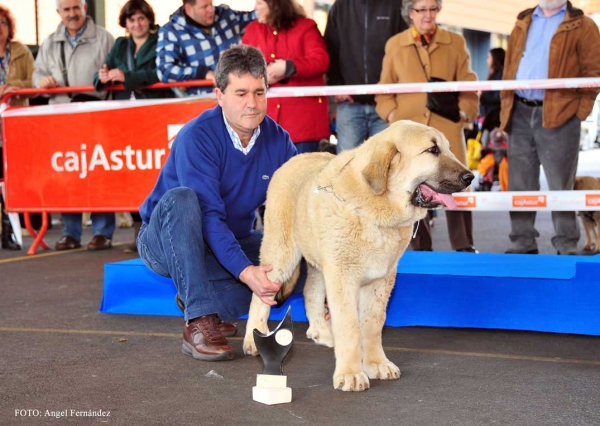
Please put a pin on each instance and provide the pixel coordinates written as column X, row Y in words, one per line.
column 288, row 286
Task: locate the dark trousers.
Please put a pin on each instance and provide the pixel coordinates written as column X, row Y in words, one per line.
column 557, row 151
column 460, row 232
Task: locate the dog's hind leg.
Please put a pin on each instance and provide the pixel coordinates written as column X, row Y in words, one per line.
column 590, row 232
column 319, row 329
column 373, row 303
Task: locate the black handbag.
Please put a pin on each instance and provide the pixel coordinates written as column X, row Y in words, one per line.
column 444, row 104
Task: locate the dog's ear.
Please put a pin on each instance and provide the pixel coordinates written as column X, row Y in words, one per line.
column 578, row 183
column 376, row 172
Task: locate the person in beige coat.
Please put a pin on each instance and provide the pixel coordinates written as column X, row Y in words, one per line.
column 16, row 66
column 444, row 55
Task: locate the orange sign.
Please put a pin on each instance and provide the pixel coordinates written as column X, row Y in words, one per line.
column 77, row 159
column 465, row 201
column 592, row 200
column 529, row 201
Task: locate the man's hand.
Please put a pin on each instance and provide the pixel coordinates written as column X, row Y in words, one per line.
column 210, row 75
column 390, row 116
column 344, row 98
column 48, row 83
column 255, row 277
column 103, row 74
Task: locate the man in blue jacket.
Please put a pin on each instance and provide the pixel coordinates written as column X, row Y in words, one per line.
column 199, row 218
column 189, row 45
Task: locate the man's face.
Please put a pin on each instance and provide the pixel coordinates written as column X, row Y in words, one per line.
column 203, row 12
column 72, row 13
column 552, row 4
column 244, row 103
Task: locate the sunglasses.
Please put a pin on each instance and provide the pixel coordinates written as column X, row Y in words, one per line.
column 432, row 11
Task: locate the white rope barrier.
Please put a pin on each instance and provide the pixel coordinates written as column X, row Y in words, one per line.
column 449, row 86
column 528, row 201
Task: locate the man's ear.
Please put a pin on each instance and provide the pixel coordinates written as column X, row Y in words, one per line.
column 219, row 96
column 376, row 172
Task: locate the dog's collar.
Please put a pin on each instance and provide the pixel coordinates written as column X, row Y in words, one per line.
column 329, row 188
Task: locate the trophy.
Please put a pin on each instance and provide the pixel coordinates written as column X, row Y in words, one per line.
column 271, row 386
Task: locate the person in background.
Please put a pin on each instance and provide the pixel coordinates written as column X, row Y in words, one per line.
column 552, row 40
column 199, row 218
column 132, row 62
column 414, row 56
column 355, row 35
column 16, row 67
column 489, row 100
column 70, row 56
column 296, row 55
column 189, row 45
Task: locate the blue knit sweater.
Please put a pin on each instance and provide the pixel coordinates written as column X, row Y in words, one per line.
column 229, row 184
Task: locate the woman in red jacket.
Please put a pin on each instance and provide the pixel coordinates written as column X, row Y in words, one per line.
column 296, row 56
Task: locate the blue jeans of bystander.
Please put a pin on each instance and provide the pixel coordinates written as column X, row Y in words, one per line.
column 355, row 123
column 102, row 224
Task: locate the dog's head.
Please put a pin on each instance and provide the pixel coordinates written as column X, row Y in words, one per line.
column 412, row 164
column 586, row 182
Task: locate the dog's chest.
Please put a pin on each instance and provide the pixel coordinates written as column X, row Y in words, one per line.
column 383, row 249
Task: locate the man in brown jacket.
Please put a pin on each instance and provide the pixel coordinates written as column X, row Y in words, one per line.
column 552, row 40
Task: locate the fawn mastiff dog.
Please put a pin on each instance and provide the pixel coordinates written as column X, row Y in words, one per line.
column 590, row 219
column 351, row 217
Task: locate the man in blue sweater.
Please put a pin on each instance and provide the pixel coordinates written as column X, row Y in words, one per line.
column 199, row 218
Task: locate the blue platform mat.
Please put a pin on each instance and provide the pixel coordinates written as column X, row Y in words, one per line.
column 558, row 294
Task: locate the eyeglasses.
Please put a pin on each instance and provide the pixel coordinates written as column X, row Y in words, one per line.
column 432, row 11
column 3, row 24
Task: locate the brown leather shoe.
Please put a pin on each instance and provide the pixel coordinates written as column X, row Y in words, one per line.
column 99, row 242
column 227, row 328
column 67, row 242
column 202, row 339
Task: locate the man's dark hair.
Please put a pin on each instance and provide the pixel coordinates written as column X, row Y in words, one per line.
column 131, row 7
column 240, row 60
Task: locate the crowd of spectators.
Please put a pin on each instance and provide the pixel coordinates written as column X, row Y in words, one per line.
column 363, row 43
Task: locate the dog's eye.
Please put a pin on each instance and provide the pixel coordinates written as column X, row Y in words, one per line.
column 434, row 150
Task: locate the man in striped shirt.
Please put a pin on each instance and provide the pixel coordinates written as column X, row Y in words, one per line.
column 190, row 44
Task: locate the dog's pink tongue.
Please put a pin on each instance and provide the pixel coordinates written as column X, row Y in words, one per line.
column 445, row 199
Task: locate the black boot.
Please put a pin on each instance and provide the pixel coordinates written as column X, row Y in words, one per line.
column 8, row 242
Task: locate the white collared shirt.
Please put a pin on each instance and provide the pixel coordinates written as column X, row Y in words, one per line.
column 237, row 143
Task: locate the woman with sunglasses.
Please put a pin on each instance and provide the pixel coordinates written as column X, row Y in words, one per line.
column 417, row 55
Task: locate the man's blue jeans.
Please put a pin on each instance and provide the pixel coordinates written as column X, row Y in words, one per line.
column 355, row 123
column 172, row 245
column 102, row 224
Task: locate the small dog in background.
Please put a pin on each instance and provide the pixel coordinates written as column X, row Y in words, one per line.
column 326, row 146
column 590, row 219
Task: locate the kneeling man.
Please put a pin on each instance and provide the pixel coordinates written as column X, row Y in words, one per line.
column 199, row 218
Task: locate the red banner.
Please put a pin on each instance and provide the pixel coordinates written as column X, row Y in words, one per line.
column 95, row 156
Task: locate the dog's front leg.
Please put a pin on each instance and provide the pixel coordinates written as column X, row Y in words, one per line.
column 373, row 303
column 342, row 298
column 257, row 318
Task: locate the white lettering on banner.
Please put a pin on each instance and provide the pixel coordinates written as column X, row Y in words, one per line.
column 132, row 159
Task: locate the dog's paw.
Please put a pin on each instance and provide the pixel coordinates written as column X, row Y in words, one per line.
column 321, row 335
column 250, row 346
column 385, row 371
column 350, row 382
